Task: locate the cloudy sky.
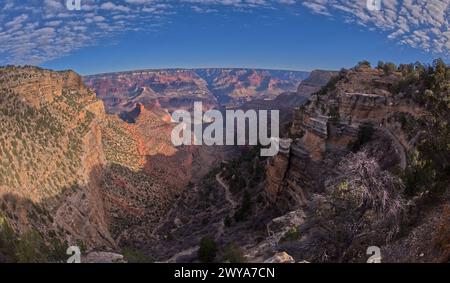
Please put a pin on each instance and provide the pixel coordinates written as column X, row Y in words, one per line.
column 108, row 35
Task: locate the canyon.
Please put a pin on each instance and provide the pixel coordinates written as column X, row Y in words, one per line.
column 179, row 88
column 89, row 162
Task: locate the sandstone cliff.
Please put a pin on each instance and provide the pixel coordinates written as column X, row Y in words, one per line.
column 52, row 156
column 76, row 175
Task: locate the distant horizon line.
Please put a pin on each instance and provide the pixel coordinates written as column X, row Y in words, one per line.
column 164, row 69
column 307, row 70
column 199, row 68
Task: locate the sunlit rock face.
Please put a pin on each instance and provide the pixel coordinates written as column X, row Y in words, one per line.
column 52, row 146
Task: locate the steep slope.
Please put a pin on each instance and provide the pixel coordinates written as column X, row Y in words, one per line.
column 72, row 175
column 51, row 156
column 146, row 174
column 145, row 171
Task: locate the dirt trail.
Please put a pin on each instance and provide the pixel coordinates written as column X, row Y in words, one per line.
column 230, row 200
column 228, row 196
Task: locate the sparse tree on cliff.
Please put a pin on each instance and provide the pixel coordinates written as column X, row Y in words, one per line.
column 389, row 68
column 364, row 64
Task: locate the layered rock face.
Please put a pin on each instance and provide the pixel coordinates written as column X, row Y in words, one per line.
column 368, row 126
column 75, row 174
column 277, row 168
column 39, row 87
column 179, row 88
column 316, row 80
column 52, row 155
column 171, row 88
column 248, row 84
column 325, row 127
column 291, row 177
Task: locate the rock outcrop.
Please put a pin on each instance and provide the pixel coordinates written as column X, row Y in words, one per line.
column 326, row 126
column 281, row 257
column 38, row 87
column 277, row 168
column 316, row 80
column 52, row 156
column 370, row 112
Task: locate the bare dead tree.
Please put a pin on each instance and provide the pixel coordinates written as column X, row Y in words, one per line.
column 364, row 186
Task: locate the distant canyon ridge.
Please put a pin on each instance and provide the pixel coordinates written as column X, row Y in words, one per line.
column 179, row 88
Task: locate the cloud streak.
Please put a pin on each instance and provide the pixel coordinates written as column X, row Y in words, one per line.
column 36, row 31
column 422, row 24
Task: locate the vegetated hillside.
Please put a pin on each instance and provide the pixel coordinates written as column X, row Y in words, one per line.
column 145, row 171
column 51, row 155
column 365, row 163
column 71, row 174
column 179, row 88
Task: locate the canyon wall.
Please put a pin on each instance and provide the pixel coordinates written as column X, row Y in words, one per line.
column 324, row 129
column 52, row 146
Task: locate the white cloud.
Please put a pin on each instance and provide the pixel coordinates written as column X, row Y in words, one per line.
column 113, row 7
column 35, row 31
column 419, row 23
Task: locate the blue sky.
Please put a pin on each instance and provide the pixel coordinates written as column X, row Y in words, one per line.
column 108, row 36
